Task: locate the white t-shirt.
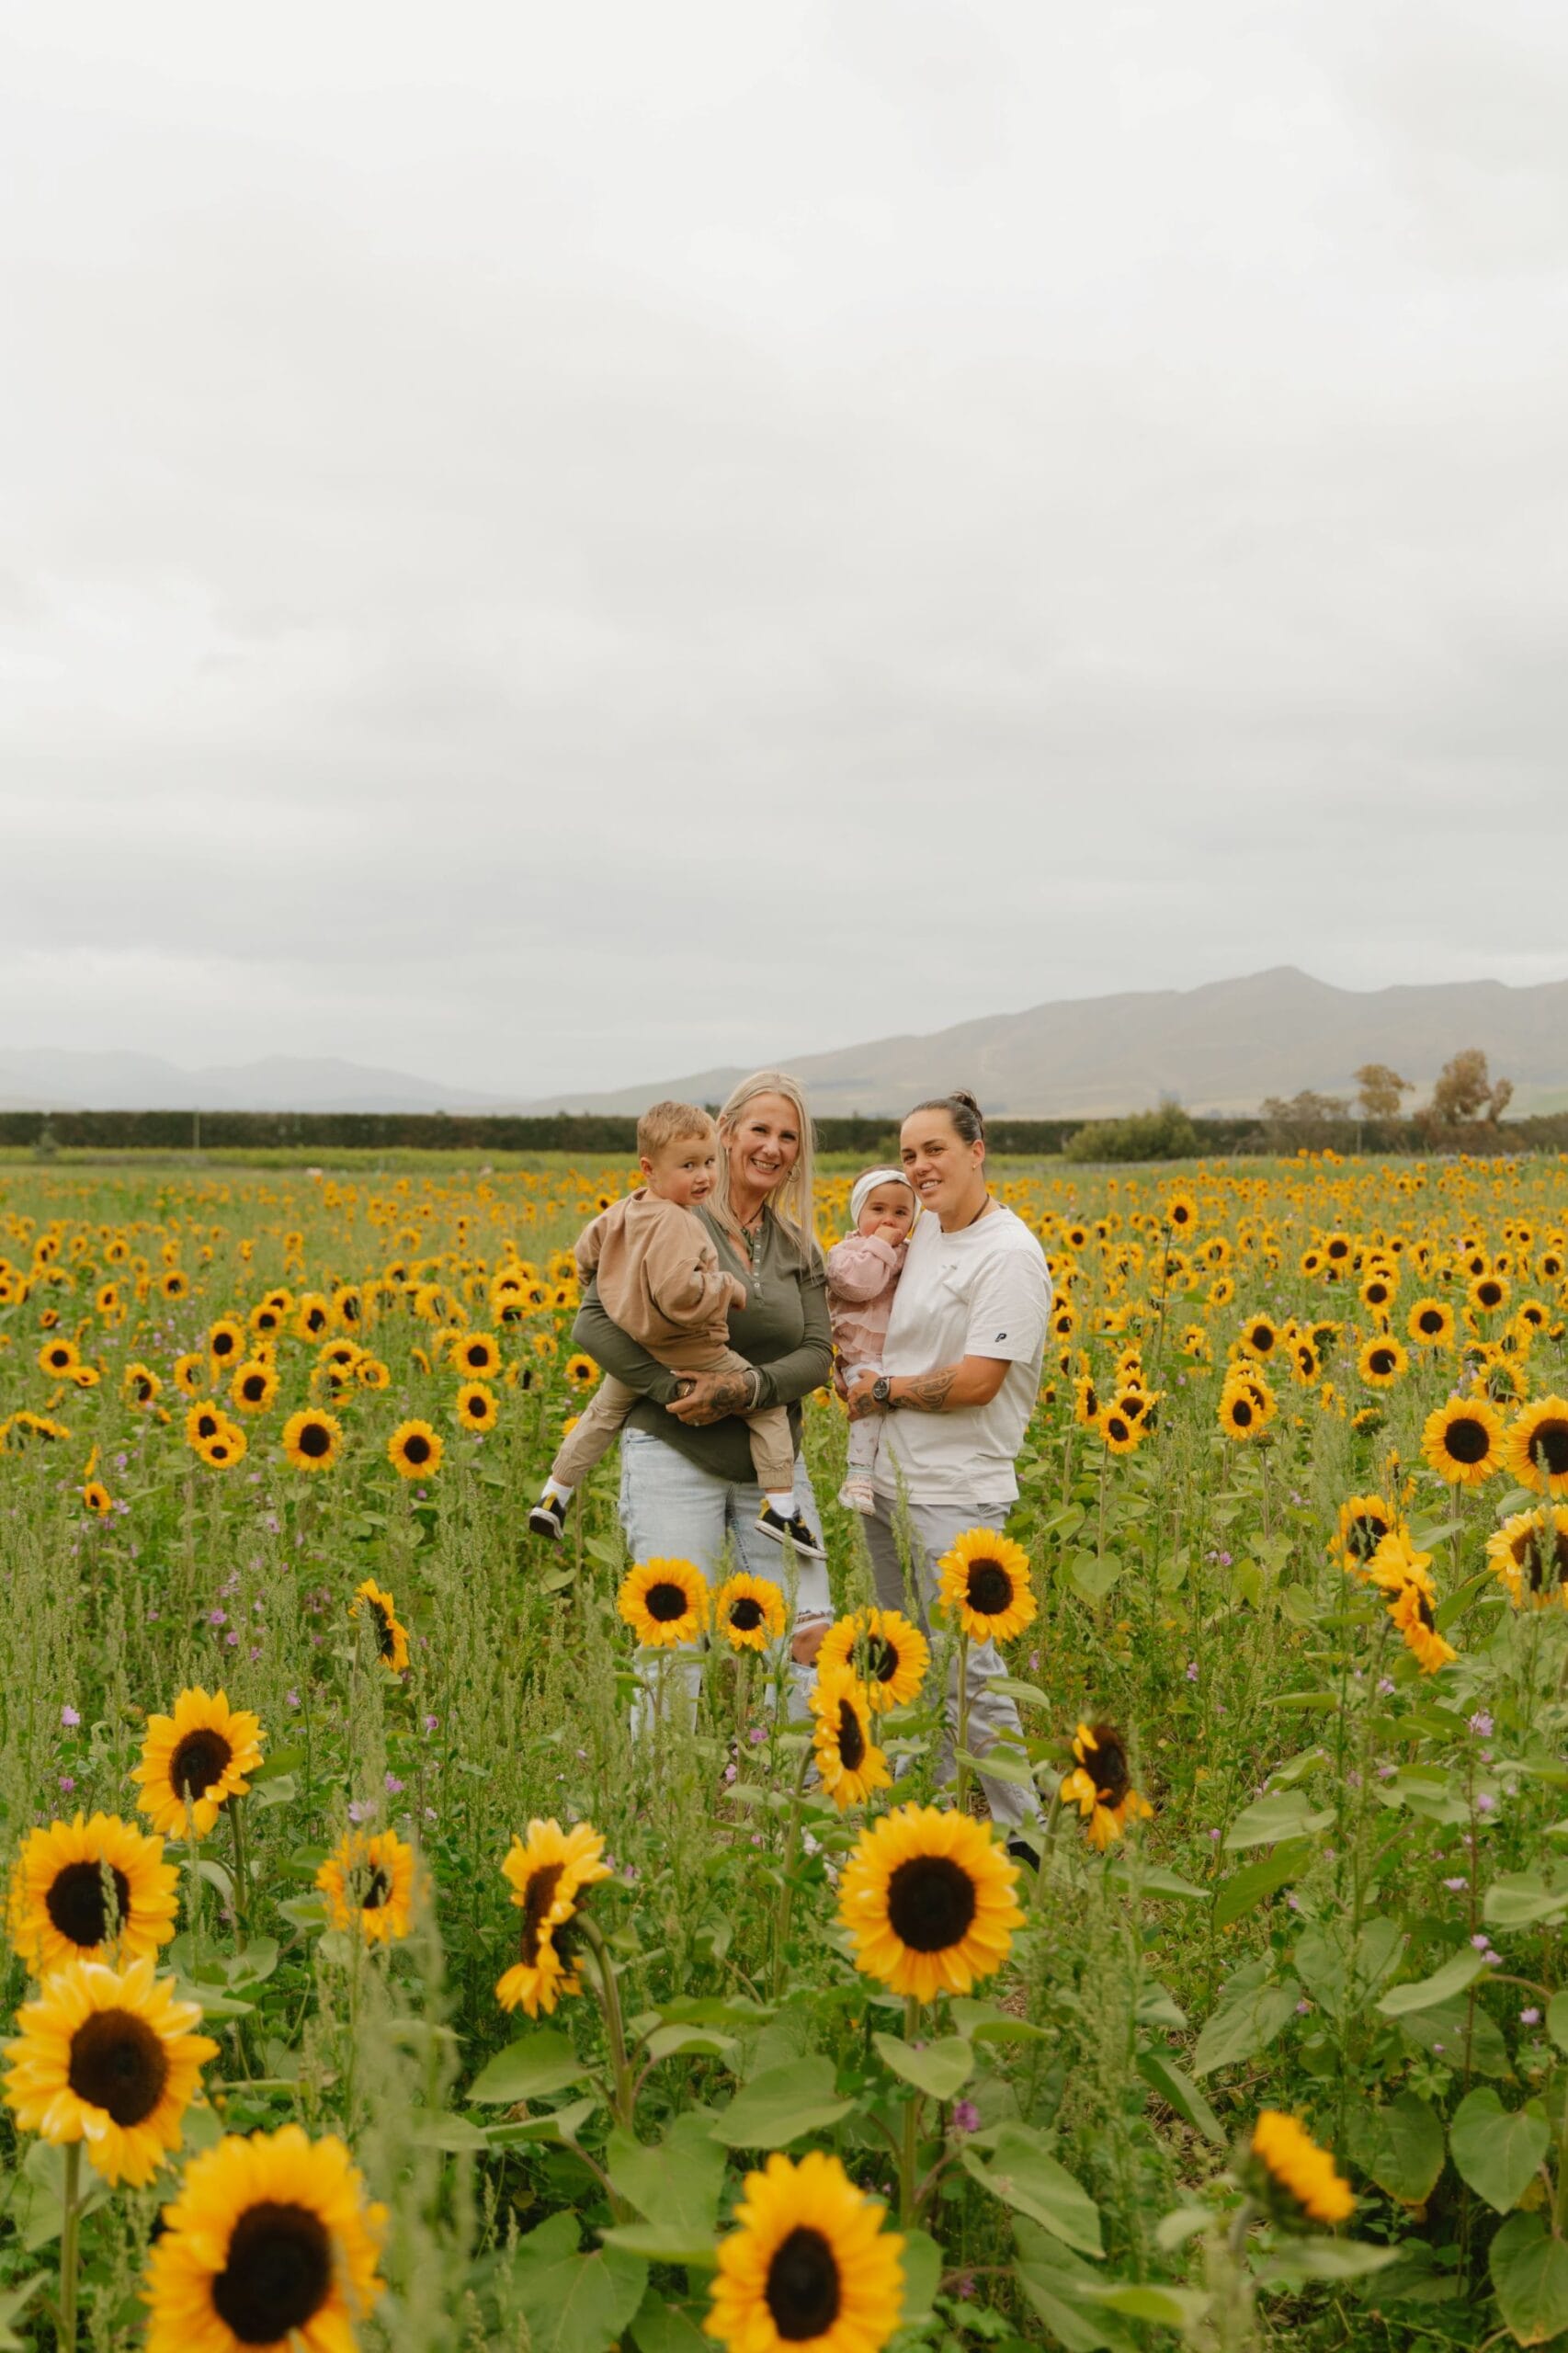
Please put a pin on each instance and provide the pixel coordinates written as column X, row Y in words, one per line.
column 982, row 1291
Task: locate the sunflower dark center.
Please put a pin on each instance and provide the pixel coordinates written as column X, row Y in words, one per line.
column 254, row 1387
column 78, row 1904
column 881, row 1658
column 224, row 1344
column 279, row 2273
column 1489, row 1294
column 1543, row 1561
column 118, row 2063
column 416, row 1446
column 478, row 1357
column 537, row 1902
column 851, row 1739
column 1116, row 1428
column 1424, row 1611
column 1382, row 1360
column 931, row 1902
column 1241, row 1413
column 803, row 2292
column 1364, row 1535
column 746, row 1614
column 386, row 1642
column 1467, row 1439
column 316, row 1438
column 207, row 1425
column 1431, row 1319
column 666, row 1603
column 198, row 1763
column 1107, row 1767
column 989, row 1588
column 378, row 1887
column 1549, row 1445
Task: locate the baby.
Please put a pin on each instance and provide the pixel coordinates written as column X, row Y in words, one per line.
column 660, row 1279
column 862, row 1275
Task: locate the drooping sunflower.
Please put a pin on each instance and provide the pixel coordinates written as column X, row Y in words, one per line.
column 1380, row 1360
column 1413, row 1612
column 313, row 1440
column 549, row 1872
column 664, row 1602
column 890, row 1654
column 476, row 1356
column 849, row 1764
column 271, row 2241
column 984, row 1583
column 196, row 1759
column 1529, row 1552
column 1288, row 2160
column 928, row 1898
column 1396, row 1563
column 1464, row 1440
column 808, row 2268
column 392, row 1636
column 1364, row 1521
column 109, row 2057
column 1538, row 1447
column 1100, row 1784
column 414, row 1450
column 749, row 1612
column 368, row 1881
column 89, row 1890
column 476, row 1407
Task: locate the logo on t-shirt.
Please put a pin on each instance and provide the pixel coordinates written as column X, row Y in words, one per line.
column 1001, row 1335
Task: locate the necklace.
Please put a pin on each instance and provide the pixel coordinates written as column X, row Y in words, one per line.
column 980, row 1212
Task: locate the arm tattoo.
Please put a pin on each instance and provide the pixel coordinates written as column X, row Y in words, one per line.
column 733, row 1393
column 928, row 1393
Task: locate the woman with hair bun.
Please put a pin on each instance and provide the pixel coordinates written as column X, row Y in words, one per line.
column 960, row 1375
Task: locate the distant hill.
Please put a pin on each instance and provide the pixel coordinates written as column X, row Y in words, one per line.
column 1219, row 1049
column 34, row 1078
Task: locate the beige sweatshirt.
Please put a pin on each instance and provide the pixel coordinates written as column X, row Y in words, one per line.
column 658, row 1272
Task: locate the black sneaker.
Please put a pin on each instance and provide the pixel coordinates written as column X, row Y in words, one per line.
column 793, row 1530
column 548, row 1518
column 1022, row 1852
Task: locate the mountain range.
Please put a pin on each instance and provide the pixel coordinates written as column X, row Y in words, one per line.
column 1219, row 1048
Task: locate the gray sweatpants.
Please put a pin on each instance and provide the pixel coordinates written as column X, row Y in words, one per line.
column 930, row 1529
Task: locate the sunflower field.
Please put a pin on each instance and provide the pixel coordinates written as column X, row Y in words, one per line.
column 368, row 1985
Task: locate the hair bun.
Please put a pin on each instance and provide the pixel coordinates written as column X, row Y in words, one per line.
column 962, row 1094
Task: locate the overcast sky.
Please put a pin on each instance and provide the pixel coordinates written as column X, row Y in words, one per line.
column 549, row 544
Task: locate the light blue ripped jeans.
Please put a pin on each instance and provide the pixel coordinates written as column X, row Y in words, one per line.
column 671, row 1510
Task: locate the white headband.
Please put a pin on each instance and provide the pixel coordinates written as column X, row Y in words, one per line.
column 867, row 1185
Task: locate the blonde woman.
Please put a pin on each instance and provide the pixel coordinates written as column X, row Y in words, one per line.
column 686, row 1482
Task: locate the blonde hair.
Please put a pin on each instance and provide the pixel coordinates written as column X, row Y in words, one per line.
column 669, row 1122
column 793, row 1202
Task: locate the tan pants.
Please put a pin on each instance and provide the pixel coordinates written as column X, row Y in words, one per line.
column 772, row 1447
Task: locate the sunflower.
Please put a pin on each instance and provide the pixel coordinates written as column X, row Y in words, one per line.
column 1538, row 1447
column 225, row 1341
column 749, row 1612
column 476, row 1407
column 414, row 1450
column 1181, row 1212
column 311, row 1439
column 1464, row 1441
column 224, row 1448
column 1529, row 1552
column 312, row 1315
column 1085, row 1401
column 106, row 2057
column 369, row 1884
column 1487, row 1293
column 1412, row 1612
column 890, row 1654
column 98, row 1499
column 808, row 2267
column 190, row 1375
column 476, row 1356
column 927, row 1897
column 1380, row 1360
column 84, row 1891
column 195, row 1761
column 1100, row 1784
column 173, row 1284
column 580, row 1371
column 59, row 1359
column 849, row 1764
column 665, row 1602
column 1378, row 1290
column 371, row 1373
column 1122, row 1433
column 984, row 1585
column 1396, row 1563
column 139, row 1385
column 1289, row 2160
column 1364, row 1521
column 1241, row 1416
column 254, row 1386
column 1430, row 1323
column 1259, row 1336
column 549, row 1872
column 204, row 1421
column 391, row 1637
column 271, row 2241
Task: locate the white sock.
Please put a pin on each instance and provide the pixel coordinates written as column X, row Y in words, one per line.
column 784, row 1504
column 554, row 1491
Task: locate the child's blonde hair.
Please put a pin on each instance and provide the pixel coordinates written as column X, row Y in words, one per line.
column 669, row 1122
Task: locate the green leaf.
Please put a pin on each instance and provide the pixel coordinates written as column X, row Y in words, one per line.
column 1154, row 1879
column 1255, row 1882
column 1243, row 2025
column 1446, row 2031
column 922, row 2271
column 1179, row 2091
column 678, row 2184
column 1094, row 1577
column 781, row 2105
column 1399, row 2146
column 1428, row 1992
column 439, row 2128
column 13, row 2301
column 1011, row 1689
column 662, row 2243
column 1529, row 2274
column 282, row 1761
column 1520, row 1899
column 282, row 1790
column 997, row 1766
column 1167, row 2307
column 941, row 2069
column 1557, row 2019
column 1054, row 2280
column 531, row 2068
column 1496, row 2149
column 1284, row 1813
column 573, row 2302
column 667, row 2040
column 1295, row 2261
column 1021, row 2171
column 658, row 2327
column 556, row 2125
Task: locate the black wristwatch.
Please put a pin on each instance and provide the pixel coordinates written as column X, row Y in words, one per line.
column 881, row 1393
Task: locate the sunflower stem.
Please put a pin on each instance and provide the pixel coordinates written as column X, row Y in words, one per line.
column 70, row 2240
column 961, row 1795
column 624, row 2097
column 242, row 1878
column 909, row 2154
column 786, row 1880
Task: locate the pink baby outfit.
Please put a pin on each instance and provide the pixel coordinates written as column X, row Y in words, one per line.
column 862, row 1279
